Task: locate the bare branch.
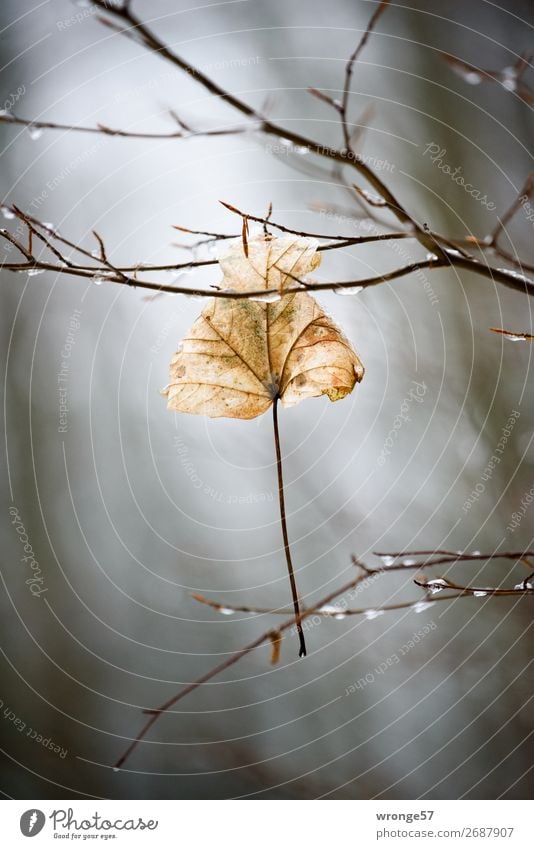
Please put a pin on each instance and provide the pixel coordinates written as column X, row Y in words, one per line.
column 321, row 95
column 346, row 240
column 438, row 584
column 102, row 129
column 525, row 193
column 343, row 107
column 140, row 32
column 434, row 557
column 509, row 77
column 455, row 257
column 513, row 335
column 122, row 274
column 233, row 659
column 363, row 573
column 212, row 236
column 267, row 220
column 20, row 247
column 47, row 242
column 328, row 611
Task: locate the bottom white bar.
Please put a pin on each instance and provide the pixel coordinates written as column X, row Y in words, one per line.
column 264, row 824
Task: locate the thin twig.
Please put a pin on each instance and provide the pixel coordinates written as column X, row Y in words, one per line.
column 345, row 240
column 140, row 32
column 514, row 335
column 103, row 129
column 343, row 107
column 363, row 573
column 445, row 583
column 434, row 557
column 526, row 192
column 285, row 536
column 327, row 612
column 233, row 659
column 508, row 278
column 509, row 78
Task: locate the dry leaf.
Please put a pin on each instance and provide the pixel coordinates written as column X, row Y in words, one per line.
column 240, row 354
column 276, row 644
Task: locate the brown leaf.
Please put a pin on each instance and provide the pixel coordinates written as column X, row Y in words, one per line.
column 276, row 644
column 240, row 354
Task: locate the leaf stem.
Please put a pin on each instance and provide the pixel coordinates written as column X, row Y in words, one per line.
column 294, row 593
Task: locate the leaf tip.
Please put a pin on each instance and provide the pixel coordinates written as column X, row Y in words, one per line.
column 276, row 644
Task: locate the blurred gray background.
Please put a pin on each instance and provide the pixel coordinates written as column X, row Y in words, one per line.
column 133, row 508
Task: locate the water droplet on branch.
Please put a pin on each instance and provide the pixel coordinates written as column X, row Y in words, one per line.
column 102, row 277
column 372, row 613
column 374, row 200
column 509, row 79
column 472, row 78
column 387, row 559
column 348, row 290
column 420, row 606
column 436, row 585
column 269, row 297
column 34, row 132
column 510, row 272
